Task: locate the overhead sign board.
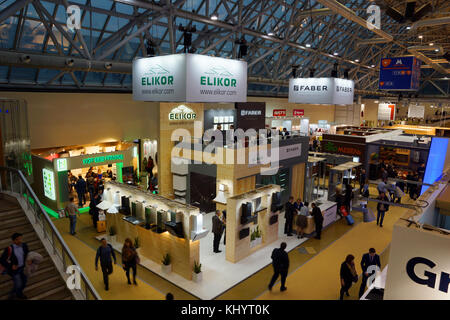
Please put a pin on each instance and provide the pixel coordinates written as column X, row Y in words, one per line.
column 250, row 115
column 399, row 73
column 321, row 91
column 189, row 78
column 61, row 164
column 386, row 111
column 416, row 111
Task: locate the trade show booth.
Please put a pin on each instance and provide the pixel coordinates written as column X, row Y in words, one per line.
column 52, row 165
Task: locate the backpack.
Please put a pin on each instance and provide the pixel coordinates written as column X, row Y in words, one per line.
column 8, row 260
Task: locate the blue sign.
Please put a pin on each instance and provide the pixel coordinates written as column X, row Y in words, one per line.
column 400, row 73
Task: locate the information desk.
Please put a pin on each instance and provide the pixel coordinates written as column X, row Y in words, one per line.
column 328, row 209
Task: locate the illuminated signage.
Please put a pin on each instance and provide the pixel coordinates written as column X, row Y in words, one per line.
column 279, row 112
column 49, row 184
column 113, row 157
column 321, row 91
column 298, row 112
column 182, row 112
column 61, row 164
column 333, row 148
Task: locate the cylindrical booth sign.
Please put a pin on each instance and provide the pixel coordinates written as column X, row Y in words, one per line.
column 279, row 112
column 298, row 112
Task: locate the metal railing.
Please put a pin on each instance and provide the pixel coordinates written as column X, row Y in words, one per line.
column 13, row 180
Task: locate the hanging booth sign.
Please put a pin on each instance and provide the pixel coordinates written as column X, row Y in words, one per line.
column 189, row 78
column 386, row 111
column 298, row 112
column 279, row 112
column 321, row 91
column 416, row 111
column 399, row 73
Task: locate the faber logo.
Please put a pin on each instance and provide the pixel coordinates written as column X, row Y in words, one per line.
column 74, row 18
column 219, row 77
column 156, row 76
column 182, row 112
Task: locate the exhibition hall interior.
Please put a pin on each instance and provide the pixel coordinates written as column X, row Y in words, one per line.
column 224, row 150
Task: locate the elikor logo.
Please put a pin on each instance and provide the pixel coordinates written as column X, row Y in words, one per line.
column 157, row 75
column 182, row 112
column 218, row 76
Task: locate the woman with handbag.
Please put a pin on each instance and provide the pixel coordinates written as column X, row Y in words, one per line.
column 130, row 259
column 348, row 275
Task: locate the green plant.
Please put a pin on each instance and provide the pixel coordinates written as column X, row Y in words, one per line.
column 112, row 231
column 197, row 267
column 137, row 242
column 147, row 218
column 257, row 232
column 253, row 236
column 166, row 259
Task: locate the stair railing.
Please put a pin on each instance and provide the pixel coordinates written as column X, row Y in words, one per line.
column 13, row 180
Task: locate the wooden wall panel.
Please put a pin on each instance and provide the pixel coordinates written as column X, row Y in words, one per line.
column 298, row 181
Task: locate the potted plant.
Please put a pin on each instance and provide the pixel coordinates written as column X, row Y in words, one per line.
column 253, row 239
column 258, row 236
column 112, row 234
column 166, row 263
column 197, row 274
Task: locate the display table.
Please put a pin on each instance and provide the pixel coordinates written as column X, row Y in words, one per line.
column 328, row 209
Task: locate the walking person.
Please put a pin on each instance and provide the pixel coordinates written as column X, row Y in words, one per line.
column 368, row 259
column 381, row 208
column 280, row 263
column 71, row 211
column 14, row 260
column 302, row 220
column 318, row 219
column 348, row 197
column 93, row 210
column 80, row 187
column 150, row 166
column 217, row 230
column 105, row 253
column 130, row 259
column 348, row 275
column 289, row 212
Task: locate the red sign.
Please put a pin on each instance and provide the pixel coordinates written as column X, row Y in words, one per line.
column 298, row 112
column 279, row 112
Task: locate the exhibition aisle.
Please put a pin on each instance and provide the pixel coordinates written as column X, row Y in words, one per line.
column 318, row 279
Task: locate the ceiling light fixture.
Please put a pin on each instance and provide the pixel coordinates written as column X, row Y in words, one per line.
column 408, row 28
column 431, row 44
column 270, row 34
column 214, row 17
column 308, row 45
column 372, row 66
column 356, row 60
column 420, row 37
column 335, row 53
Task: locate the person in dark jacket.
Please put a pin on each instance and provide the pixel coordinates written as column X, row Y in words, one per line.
column 348, row 275
column 289, row 213
column 13, row 259
column 318, row 219
column 280, row 263
column 340, row 202
column 381, row 208
column 94, row 210
column 130, row 259
column 80, row 187
column 348, row 196
column 104, row 254
column 362, row 180
column 217, row 230
column 368, row 259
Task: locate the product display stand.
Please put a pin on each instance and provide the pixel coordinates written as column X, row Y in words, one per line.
column 240, row 230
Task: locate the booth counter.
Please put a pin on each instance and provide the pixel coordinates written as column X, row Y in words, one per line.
column 162, row 226
column 51, row 167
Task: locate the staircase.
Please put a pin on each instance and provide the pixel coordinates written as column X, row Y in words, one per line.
column 46, row 283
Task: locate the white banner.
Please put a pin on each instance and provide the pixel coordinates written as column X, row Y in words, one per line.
column 321, row 91
column 386, row 111
column 189, row 78
column 416, row 111
column 419, row 265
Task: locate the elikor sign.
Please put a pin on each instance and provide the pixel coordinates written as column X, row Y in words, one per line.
column 189, row 78
column 321, row 91
column 182, row 112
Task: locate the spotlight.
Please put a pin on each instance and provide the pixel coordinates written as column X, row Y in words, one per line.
column 270, row 34
column 214, row 17
column 408, row 28
column 356, row 60
column 335, row 54
column 311, row 72
column 431, row 44
column 346, row 71
column 334, row 72
column 308, row 45
column 108, row 65
column 294, row 71
column 420, row 37
column 243, row 47
column 372, row 66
